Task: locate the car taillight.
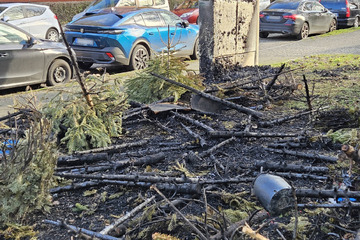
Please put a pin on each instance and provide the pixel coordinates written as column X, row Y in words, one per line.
column 55, row 17
column 111, row 31
column 347, row 8
column 110, row 55
column 261, row 15
column 292, row 17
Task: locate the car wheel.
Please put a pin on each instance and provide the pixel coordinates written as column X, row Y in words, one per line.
column 356, row 22
column 59, row 72
column 196, row 52
column 52, row 34
column 304, row 32
column 332, row 25
column 264, row 34
column 84, row 66
column 139, row 58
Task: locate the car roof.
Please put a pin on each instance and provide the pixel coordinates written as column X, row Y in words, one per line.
column 21, row 4
column 17, row 28
column 124, row 11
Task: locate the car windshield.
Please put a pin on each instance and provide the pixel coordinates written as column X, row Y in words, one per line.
column 284, row 5
column 105, row 19
column 2, row 9
column 100, row 4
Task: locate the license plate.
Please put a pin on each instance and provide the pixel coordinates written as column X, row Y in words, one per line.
column 84, row 42
column 273, row 18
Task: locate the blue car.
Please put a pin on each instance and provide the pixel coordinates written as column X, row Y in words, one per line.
column 128, row 36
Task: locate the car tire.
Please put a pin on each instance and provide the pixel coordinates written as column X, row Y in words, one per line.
column 59, row 72
column 84, row 65
column 139, row 58
column 263, row 34
column 196, row 53
column 304, row 32
column 333, row 25
column 356, row 22
column 52, row 34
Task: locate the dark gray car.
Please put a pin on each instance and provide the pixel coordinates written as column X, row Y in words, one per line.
column 26, row 60
column 296, row 17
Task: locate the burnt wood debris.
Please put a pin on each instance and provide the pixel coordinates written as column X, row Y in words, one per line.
column 178, row 168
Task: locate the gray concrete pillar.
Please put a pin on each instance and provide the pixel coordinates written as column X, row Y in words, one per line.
column 229, row 35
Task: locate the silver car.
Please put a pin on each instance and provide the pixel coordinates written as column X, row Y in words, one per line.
column 26, row 60
column 38, row 20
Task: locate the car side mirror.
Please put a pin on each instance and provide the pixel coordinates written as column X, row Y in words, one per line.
column 30, row 42
column 185, row 23
column 5, row 18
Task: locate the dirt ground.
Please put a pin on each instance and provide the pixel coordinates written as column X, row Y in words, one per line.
column 221, row 199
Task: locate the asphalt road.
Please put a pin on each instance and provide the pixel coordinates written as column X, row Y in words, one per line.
column 278, row 48
column 274, row 49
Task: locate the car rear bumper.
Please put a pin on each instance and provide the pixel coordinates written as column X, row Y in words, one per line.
column 292, row 29
column 346, row 22
column 101, row 56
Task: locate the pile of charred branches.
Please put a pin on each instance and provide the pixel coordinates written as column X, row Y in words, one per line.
column 186, row 170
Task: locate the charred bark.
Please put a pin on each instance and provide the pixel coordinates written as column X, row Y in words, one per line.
column 283, row 166
column 314, row 156
column 113, row 148
column 250, row 134
column 240, row 108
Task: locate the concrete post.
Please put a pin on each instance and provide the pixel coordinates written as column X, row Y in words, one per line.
column 229, row 35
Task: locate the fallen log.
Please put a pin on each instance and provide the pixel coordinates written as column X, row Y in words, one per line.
column 314, row 193
column 216, row 147
column 332, row 205
column 85, row 158
column 314, row 156
column 74, row 186
column 250, row 134
column 197, row 137
column 283, row 166
column 297, row 175
column 153, row 179
column 113, row 148
column 128, row 215
column 146, row 160
column 240, row 108
column 81, row 230
column 271, row 123
column 192, row 121
column 273, row 80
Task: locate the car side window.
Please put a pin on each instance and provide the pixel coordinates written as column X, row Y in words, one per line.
column 14, row 13
column 317, row 7
column 31, row 11
column 307, row 7
column 151, row 19
column 9, row 35
column 139, row 20
column 170, row 19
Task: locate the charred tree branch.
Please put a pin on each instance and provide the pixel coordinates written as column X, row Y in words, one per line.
column 304, row 155
column 213, row 98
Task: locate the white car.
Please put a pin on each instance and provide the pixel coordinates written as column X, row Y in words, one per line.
column 36, row 19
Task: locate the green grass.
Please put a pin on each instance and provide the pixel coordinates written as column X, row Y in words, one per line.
column 333, row 80
column 338, row 31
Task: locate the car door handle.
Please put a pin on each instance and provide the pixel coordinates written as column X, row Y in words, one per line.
column 172, row 33
column 151, row 33
column 4, row 54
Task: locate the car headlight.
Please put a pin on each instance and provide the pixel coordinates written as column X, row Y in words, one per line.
column 186, row 15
